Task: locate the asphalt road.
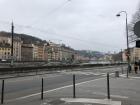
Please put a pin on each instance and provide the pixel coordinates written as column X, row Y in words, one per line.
column 23, row 86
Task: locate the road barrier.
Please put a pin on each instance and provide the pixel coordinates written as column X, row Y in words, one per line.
column 116, row 73
column 13, row 70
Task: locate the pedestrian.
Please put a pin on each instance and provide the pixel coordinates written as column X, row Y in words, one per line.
column 139, row 65
column 129, row 68
column 136, row 67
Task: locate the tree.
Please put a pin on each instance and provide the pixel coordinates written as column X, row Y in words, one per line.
column 135, row 18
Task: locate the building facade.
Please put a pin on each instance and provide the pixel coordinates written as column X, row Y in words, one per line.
column 5, row 47
column 26, row 52
column 135, row 54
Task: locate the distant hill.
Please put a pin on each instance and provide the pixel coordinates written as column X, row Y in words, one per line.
column 25, row 38
column 90, row 54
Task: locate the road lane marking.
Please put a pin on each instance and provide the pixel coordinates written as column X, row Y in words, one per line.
column 86, row 100
column 83, row 73
column 32, row 95
column 131, row 77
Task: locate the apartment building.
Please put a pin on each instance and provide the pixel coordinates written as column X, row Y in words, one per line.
column 5, row 47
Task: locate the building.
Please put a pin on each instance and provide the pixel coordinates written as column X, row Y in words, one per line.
column 124, row 56
column 27, row 52
column 5, row 45
column 32, row 52
column 134, row 54
column 58, row 52
column 40, row 52
column 5, row 52
column 17, row 48
column 54, row 51
column 68, row 54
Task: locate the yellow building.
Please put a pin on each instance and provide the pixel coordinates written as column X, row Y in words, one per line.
column 134, row 54
column 5, row 52
column 5, row 46
column 40, row 52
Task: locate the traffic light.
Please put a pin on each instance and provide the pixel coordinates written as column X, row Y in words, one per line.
column 138, row 43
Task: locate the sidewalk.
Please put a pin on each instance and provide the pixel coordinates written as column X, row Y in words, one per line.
column 124, row 91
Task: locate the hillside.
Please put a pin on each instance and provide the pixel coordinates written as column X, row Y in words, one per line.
column 25, row 38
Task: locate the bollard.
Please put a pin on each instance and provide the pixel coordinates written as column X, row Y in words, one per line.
column 108, row 87
column 122, row 69
column 2, row 92
column 42, row 90
column 116, row 73
column 74, row 96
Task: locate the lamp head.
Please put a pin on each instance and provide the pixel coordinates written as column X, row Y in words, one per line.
column 118, row 15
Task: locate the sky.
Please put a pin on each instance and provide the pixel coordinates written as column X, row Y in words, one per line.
column 80, row 24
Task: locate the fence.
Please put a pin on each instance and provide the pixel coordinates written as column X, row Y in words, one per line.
column 11, row 70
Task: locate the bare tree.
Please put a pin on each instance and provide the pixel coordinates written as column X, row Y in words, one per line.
column 135, row 18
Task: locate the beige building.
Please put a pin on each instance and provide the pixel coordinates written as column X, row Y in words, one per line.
column 57, row 52
column 17, row 49
column 134, row 54
column 33, row 52
column 67, row 53
column 5, row 52
column 27, row 52
column 54, row 51
column 124, row 56
column 40, row 52
column 5, row 45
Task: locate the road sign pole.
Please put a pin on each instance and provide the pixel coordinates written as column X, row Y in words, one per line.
column 108, row 87
column 2, row 92
column 42, row 89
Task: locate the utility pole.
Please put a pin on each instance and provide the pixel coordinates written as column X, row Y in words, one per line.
column 128, row 50
column 12, row 32
column 122, row 60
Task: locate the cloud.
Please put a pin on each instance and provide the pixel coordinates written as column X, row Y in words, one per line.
column 82, row 24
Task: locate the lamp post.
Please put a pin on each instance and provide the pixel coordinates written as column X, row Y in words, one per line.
column 128, row 51
column 12, row 51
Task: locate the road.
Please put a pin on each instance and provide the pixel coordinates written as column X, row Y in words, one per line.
column 25, row 86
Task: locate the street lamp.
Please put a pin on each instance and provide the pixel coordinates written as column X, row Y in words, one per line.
column 128, row 52
column 12, row 51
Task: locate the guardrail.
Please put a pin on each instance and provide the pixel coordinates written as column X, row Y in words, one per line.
column 50, row 68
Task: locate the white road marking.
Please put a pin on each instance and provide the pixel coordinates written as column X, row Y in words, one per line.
column 105, row 74
column 31, row 95
column 97, row 101
column 135, row 77
column 84, row 73
column 131, row 77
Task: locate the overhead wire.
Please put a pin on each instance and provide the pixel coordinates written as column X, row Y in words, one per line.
column 47, row 15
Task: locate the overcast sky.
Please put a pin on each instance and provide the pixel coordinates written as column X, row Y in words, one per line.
column 81, row 24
